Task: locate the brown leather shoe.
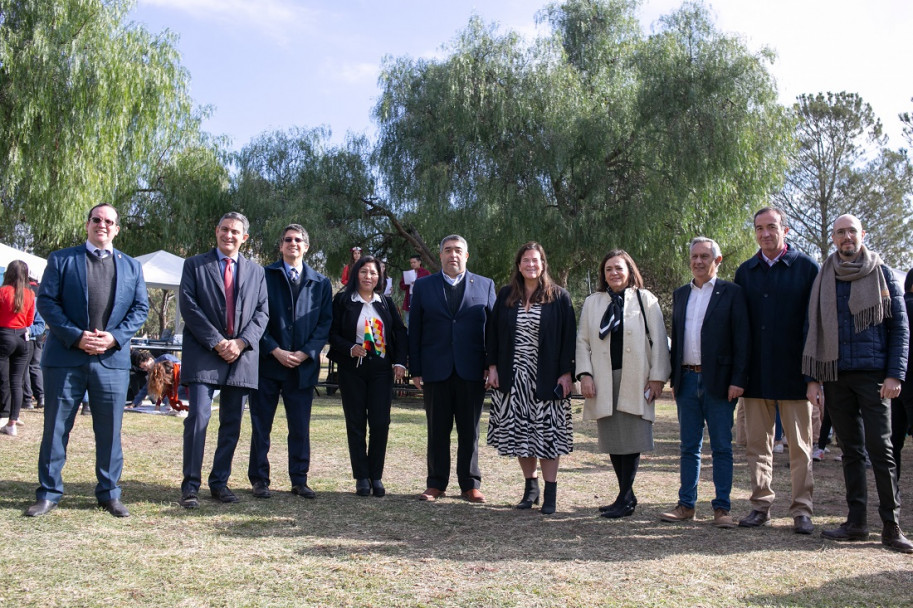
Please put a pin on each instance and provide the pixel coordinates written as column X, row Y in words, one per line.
column 722, row 519
column 679, row 513
column 431, row 494
column 473, row 495
column 893, row 538
column 754, row 519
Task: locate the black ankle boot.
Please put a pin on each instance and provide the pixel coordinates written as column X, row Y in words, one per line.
column 530, row 494
column 548, row 502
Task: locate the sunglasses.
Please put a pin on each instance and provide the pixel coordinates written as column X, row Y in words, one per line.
column 293, row 239
column 98, row 220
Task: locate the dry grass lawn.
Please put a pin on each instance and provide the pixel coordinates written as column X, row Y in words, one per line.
column 344, row 550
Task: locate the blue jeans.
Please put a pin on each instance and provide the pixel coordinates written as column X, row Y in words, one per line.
column 696, row 406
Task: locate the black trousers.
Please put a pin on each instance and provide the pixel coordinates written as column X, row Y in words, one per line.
column 14, row 360
column 367, row 391
column 454, row 400
column 862, row 420
column 32, row 380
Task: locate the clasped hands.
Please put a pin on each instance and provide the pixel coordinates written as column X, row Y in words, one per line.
column 96, row 342
column 290, row 359
column 230, row 350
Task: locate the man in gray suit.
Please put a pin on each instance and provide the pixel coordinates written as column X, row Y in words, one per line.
column 224, row 303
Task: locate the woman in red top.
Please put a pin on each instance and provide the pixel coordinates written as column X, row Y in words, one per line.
column 356, row 254
column 165, row 385
column 17, row 313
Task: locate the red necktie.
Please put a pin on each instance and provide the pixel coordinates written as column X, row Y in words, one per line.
column 229, row 298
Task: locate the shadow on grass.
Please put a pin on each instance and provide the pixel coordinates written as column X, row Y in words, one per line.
column 879, row 589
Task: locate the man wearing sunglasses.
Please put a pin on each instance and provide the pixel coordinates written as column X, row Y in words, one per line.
column 93, row 299
column 300, row 313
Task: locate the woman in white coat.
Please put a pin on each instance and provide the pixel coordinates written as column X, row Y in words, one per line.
column 622, row 364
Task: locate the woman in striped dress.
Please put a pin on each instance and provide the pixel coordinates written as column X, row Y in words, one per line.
column 530, row 349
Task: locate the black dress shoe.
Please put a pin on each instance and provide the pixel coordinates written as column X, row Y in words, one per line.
column 610, row 507
column 114, row 507
column 754, row 519
column 847, row 531
column 303, row 491
column 261, row 490
column 189, row 500
column 223, row 494
column 624, row 509
column 40, row 507
column 378, row 487
column 893, row 538
column 802, row 524
column 363, row 487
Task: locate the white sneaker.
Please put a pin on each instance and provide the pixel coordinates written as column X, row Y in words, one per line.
column 817, row 454
column 9, row 429
column 778, row 448
column 20, row 423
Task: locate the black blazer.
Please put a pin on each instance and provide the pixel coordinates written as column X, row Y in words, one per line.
column 557, row 342
column 725, row 336
column 344, row 328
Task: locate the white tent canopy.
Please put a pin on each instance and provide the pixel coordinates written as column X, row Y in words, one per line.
column 36, row 264
column 162, row 270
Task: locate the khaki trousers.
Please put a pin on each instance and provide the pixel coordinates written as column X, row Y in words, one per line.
column 760, row 421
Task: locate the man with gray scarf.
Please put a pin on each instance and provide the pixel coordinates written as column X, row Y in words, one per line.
column 856, row 357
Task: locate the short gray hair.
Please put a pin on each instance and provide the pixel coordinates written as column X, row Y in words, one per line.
column 234, row 215
column 455, row 237
column 714, row 247
column 295, row 228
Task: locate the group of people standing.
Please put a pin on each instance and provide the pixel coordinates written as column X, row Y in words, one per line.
column 257, row 332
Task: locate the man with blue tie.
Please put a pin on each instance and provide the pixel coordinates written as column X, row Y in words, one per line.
column 300, row 314
column 223, row 300
column 447, row 320
column 93, row 299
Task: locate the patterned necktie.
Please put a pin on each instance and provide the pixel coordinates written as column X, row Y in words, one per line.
column 101, row 253
column 293, row 275
column 229, row 279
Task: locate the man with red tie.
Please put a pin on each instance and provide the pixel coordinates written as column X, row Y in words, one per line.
column 224, row 303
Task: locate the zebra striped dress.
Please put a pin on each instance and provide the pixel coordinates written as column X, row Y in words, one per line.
column 520, row 424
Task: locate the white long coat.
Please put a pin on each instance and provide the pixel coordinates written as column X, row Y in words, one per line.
column 640, row 362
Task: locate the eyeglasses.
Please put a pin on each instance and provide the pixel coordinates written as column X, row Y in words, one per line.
column 293, row 239
column 98, row 220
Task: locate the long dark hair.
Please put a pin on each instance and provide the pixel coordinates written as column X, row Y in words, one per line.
column 545, row 292
column 634, row 278
column 352, row 285
column 17, row 275
column 161, row 376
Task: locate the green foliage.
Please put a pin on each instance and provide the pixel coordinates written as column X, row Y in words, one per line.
column 842, row 165
column 297, row 177
column 594, row 137
column 90, row 107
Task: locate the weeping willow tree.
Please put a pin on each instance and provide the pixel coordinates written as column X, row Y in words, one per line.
column 595, row 136
column 91, row 110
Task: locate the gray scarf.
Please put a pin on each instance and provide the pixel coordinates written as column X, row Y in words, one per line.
column 870, row 303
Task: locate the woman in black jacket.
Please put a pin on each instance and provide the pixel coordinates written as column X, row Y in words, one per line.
column 368, row 342
column 530, row 343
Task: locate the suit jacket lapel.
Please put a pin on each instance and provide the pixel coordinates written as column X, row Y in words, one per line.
column 715, row 298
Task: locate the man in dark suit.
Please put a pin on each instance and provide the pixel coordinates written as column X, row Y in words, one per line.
column 93, row 299
column 710, row 335
column 224, row 304
column 447, row 361
column 300, row 313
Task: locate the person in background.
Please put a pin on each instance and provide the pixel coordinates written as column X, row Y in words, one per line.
column 17, row 313
column 902, row 406
column 530, row 350
column 143, row 360
column 415, row 264
column 386, row 283
column 355, row 254
column 32, row 381
column 165, row 385
column 622, row 363
column 369, row 344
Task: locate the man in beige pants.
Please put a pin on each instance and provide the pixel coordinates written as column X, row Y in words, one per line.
column 776, row 282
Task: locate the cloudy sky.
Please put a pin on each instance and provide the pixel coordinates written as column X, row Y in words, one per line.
column 275, row 64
